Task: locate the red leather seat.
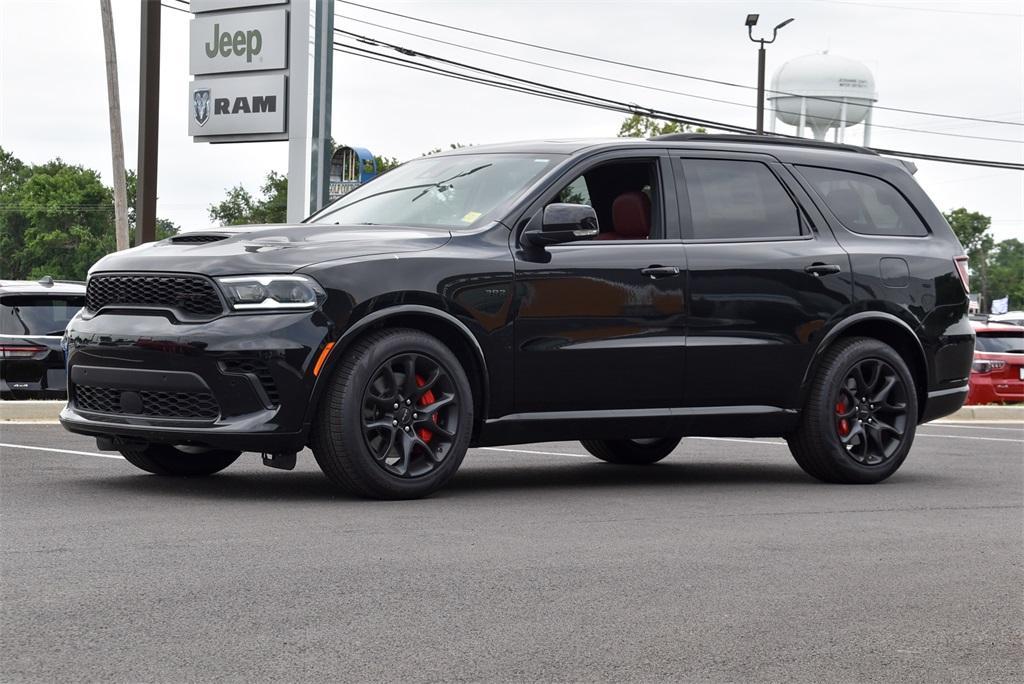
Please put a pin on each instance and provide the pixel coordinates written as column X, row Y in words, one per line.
column 631, row 217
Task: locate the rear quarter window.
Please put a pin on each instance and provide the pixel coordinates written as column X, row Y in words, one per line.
column 865, row 204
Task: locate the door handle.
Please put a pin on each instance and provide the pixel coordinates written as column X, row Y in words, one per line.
column 660, row 271
column 819, row 270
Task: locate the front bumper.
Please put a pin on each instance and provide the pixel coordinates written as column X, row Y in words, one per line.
column 239, row 382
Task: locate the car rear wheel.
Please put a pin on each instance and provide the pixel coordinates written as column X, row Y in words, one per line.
column 860, row 417
column 637, row 451
column 165, row 459
column 396, row 419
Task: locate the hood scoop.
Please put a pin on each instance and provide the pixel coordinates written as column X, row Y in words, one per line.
column 199, row 237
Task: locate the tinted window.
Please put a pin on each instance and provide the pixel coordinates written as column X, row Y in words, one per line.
column 34, row 315
column 453, row 192
column 602, row 186
column 1000, row 342
column 865, row 204
column 738, row 199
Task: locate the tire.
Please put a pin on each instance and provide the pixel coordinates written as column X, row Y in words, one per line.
column 631, row 451
column 373, row 449
column 845, row 440
column 165, row 459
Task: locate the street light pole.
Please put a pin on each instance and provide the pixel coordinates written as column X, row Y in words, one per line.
column 750, row 23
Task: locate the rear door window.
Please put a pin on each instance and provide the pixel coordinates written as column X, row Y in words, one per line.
column 37, row 315
column 865, row 204
column 734, row 199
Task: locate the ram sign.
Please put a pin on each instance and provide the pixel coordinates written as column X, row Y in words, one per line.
column 242, row 105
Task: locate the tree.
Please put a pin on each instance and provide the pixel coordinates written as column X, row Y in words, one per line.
column 241, row 208
column 1006, row 272
column 639, row 126
column 971, row 229
column 56, row 219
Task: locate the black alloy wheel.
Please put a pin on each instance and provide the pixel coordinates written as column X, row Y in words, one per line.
column 860, row 415
column 410, row 415
column 396, row 416
column 871, row 412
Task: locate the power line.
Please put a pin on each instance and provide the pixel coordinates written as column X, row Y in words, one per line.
column 923, row 9
column 659, row 71
column 629, row 83
column 175, row 8
column 544, row 90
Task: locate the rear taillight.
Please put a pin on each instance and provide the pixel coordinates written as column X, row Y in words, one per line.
column 961, row 269
column 19, row 351
column 987, row 365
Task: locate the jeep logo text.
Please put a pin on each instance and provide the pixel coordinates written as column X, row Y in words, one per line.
column 242, row 43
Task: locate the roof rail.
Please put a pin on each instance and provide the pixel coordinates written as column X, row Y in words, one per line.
column 762, row 140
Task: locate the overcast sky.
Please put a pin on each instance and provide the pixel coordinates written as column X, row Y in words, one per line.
column 964, row 58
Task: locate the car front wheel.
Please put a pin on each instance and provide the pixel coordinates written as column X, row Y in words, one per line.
column 396, row 419
column 165, row 459
column 860, row 417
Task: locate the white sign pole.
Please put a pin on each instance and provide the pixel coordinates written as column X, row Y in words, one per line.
column 309, row 105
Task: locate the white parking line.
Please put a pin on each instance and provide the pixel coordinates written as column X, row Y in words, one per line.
column 58, row 451
column 983, row 439
column 952, row 426
column 540, row 453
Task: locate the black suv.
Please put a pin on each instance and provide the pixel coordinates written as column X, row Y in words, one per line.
column 624, row 293
column 33, row 315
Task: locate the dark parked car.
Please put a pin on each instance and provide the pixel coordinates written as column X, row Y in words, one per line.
column 624, row 293
column 33, row 315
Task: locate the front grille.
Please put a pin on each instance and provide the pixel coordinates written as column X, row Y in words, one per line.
column 154, row 404
column 198, row 237
column 261, row 369
column 194, row 296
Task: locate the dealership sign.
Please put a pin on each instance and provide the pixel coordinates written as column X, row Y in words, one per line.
column 240, row 105
column 262, row 70
column 240, row 41
column 238, row 54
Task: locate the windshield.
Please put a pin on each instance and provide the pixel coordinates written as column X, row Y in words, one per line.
column 35, row 315
column 1001, row 342
column 452, row 192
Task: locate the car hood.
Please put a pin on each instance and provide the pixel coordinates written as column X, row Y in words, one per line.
column 269, row 249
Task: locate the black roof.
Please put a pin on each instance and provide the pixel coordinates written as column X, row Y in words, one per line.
column 785, row 149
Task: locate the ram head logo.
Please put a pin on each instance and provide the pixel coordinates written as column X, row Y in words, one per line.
column 201, row 105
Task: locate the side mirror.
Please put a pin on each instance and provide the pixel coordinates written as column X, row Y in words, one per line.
column 562, row 223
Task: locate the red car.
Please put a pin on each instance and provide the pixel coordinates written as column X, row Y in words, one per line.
column 997, row 374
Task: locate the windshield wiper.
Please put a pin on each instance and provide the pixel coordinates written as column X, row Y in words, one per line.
column 441, row 183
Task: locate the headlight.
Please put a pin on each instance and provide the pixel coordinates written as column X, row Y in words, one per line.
column 271, row 292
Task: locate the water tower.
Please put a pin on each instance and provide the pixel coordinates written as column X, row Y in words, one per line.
column 823, row 91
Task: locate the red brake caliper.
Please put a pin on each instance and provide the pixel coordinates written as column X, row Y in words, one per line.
column 426, row 400
column 844, row 425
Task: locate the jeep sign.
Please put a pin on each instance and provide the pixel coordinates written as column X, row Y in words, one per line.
column 239, row 41
column 239, row 105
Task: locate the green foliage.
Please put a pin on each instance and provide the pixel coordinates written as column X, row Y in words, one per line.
column 639, row 126
column 385, row 164
column 997, row 269
column 57, row 219
column 241, row 208
column 1006, row 272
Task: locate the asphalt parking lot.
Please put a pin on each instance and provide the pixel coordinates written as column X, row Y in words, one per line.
column 723, row 563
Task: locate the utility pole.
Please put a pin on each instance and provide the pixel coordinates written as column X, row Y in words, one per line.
column 149, row 122
column 116, row 139
column 751, row 23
